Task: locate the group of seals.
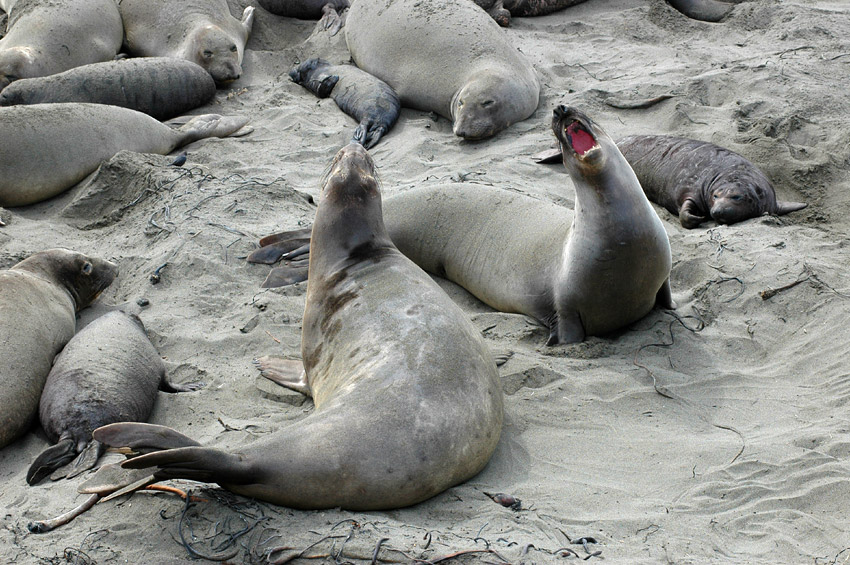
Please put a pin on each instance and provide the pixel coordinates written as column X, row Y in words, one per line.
column 362, row 96
column 108, row 372
column 407, row 396
column 39, row 299
column 44, row 38
column 447, row 57
column 162, row 87
column 47, row 148
column 201, row 31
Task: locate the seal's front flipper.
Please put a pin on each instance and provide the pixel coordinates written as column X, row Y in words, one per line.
column 167, row 386
column 567, row 329
column 51, row 459
column 286, row 275
column 288, row 373
column 131, row 438
column 86, row 460
column 664, row 298
column 702, row 10
column 689, row 215
column 548, row 156
column 195, row 463
column 331, row 21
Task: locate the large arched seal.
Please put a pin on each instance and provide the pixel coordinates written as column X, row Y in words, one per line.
column 408, row 399
column 162, row 87
column 39, row 298
column 47, row 148
column 696, row 179
column 444, row 56
column 50, row 37
column 201, row 31
column 108, row 372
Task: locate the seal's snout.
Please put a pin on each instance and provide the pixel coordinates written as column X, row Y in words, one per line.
column 574, row 131
column 352, row 163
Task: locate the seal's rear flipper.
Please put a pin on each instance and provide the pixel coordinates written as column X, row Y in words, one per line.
column 286, row 275
column 288, row 373
column 195, row 463
column 212, row 125
column 86, row 460
column 548, row 156
column 783, row 208
column 51, row 459
column 138, row 438
column 287, row 245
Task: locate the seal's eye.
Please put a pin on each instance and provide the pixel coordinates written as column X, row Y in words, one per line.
column 208, row 53
column 233, row 48
column 87, row 268
column 460, row 103
column 487, row 103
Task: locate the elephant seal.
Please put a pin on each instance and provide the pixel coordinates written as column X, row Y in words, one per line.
column 162, row 87
column 444, row 56
column 502, row 10
column 584, row 273
column 201, row 31
column 407, row 395
column 47, row 148
column 39, row 298
column 108, row 372
column 326, row 11
column 362, row 96
column 696, row 179
column 47, row 37
column 702, row 10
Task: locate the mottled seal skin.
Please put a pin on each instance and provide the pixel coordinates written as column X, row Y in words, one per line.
column 502, row 10
column 109, row 372
column 362, row 96
column 696, row 180
column 162, row 87
column 326, row 11
column 407, row 395
column 50, row 36
column 39, row 298
column 444, row 56
column 47, row 148
column 201, row 31
column 703, row 10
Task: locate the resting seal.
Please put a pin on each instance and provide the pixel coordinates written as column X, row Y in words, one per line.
column 50, row 37
column 502, row 10
column 444, row 56
column 162, row 87
column 201, row 31
column 108, row 372
column 326, row 11
column 408, row 399
column 47, row 148
column 39, row 298
column 362, row 96
column 695, row 179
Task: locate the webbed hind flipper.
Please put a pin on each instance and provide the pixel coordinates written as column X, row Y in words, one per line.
column 132, row 438
column 292, row 243
column 287, row 274
column 367, row 134
column 112, row 477
column 195, row 463
column 548, row 156
column 86, row 460
column 51, row 459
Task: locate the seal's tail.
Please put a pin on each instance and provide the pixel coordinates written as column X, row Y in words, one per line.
column 291, row 246
column 51, row 459
column 174, row 455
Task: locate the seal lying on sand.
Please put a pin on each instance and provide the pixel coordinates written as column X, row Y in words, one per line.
column 703, row 10
column 444, row 56
column 39, row 298
column 201, row 31
column 695, row 179
column 502, row 10
column 408, row 399
column 109, row 372
column 326, row 11
column 47, row 148
column 587, row 273
column 162, row 87
column 47, row 37
column 362, row 96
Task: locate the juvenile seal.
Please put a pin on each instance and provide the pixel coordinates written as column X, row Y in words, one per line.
column 696, row 179
column 47, row 148
column 162, row 87
column 50, row 36
column 408, row 400
column 108, row 372
column 703, row 10
column 444, row 56
column 201, row 31
column 502, row 10
column 326, row 11
column 362, row 96
column 584, row 273
column 39, row 298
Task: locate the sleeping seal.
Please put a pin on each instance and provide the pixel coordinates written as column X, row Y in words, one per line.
column 407, row 395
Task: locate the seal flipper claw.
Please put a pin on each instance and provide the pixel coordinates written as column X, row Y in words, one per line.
column 51, row 459
column 288, row 373
column 689, row 215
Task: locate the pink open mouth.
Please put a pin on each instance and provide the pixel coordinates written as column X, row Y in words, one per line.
column 580, row 139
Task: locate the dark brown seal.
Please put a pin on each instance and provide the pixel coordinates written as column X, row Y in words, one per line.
column 364, row 97
column 39, row 298
column 696, row 179
column 502, row 10
column 109, row 372
column 407, row 395
column 162, row 87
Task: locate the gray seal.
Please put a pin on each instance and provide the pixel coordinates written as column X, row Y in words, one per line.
column 362, row 96
column 444, row 56
column 47, row 37
column 407, row 395
column 696, row 180
column 201, row 31
column 108, row 372
column 503, row 10
column 39, row 299
column 47, row 148
column 161, row 87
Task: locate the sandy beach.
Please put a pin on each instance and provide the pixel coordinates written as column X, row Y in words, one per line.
column 718, row 433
